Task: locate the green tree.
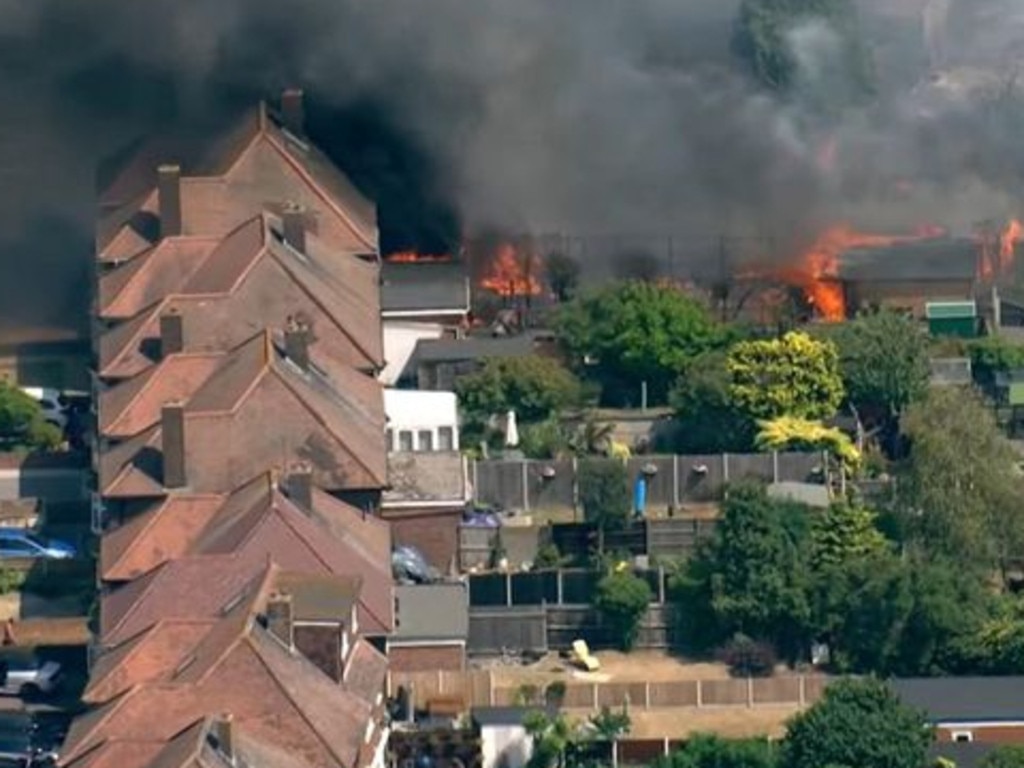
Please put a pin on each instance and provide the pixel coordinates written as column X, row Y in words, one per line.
column 960, row 487
column 604, row 492
column 709, row 421
column 842, row 533
column 563, row 275
column 634, row 333
column 22, row 421
column 1004, row 756
column 763, row 40
column 883, row 357
column 857, row 723
column 710, row 751
column 621, row 600
column 535, row 387
column 753, row 575
column 993, row 355
column 552, row 738
column 861, row 608
column 608, row 725
column 794, row 376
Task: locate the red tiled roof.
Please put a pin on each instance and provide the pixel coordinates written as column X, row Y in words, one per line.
column 133, row 406
column 153, row 274
column 366, row 672
column 167, row 530
column 338, row 290
column 255, row 162
column 190, row 588
column 274, row 694
column 332, row 418
column 257, row 521
column 148, row 657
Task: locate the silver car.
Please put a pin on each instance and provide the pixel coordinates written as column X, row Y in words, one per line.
column 25, row 675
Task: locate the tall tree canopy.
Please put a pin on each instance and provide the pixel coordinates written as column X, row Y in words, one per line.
column 793, row 376
column 752, row 577
column 535, row 387
column 857, row 723
column 960, row 488
column 709, row 420
column 710, row 751
column 883, row 357
column 634, row 333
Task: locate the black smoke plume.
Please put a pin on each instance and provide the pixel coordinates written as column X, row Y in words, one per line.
column 595, row 117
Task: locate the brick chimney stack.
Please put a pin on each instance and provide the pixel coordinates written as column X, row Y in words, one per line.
column 172, row 424
column 293, row 111
column 172, row 333
column 293, row 224
column 281, row 619
column 299, row 487
column 296, row 342
column 169, row 199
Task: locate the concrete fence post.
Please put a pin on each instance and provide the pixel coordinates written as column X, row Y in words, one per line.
column 526, row 485
column 596, row 696
column 750, row 692
column 508, row 589
column 558, row 585
column 802, row 700
column 615, row 753
column 575, row 489
column 675, row 481
column 725, row 468
column 700, row 694
column 665, row 747
column 647, row 694
column 775, row 467
column 661, row 585
column 476, row 481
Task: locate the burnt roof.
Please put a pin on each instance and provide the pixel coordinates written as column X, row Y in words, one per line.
column 917, row 260
column 964, row 699
column 424, row 287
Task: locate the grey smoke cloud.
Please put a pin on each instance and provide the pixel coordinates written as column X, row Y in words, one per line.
column 581, row 116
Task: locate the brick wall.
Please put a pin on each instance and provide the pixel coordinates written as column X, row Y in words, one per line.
column 427, row 658
column 1001, row 734
column 433, row 532
column 321, row 645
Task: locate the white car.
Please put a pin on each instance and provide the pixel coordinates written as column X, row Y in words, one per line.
column 53, row 403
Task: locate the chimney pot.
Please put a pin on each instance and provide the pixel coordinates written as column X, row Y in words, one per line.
column 296, row 343
column 224, row 736
column 293, row 111
column 172, row 423
column 169, row 199
column 300, row 487
column 172, row 333
column 280, row 618
column 293, row 224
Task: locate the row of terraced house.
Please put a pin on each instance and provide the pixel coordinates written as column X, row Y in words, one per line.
column 240, row 461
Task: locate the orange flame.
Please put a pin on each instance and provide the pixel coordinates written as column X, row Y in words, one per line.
column 997, row 252
column 511, row 274
column 817, row 273
column 1008, row 240
column 408, row 257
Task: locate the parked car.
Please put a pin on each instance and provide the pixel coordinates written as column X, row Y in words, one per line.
column 53, row 403
column 26, row 742
column 409, row 566
column 25, row 674
column 23, row 543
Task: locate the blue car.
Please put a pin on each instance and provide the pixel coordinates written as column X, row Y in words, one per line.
column 23, row 543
